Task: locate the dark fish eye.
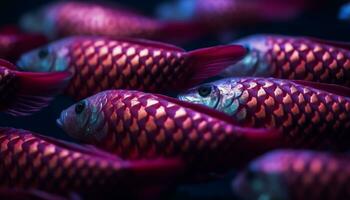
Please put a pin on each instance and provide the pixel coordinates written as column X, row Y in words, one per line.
column 43, row 53
column 204, row 91
column 79, row 108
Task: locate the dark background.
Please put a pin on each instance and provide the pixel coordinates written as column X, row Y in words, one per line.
column 322, row 23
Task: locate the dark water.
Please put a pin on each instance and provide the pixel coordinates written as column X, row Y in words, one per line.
column 323, row 24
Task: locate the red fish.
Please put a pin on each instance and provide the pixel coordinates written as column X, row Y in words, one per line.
column 136, row 125
column 22, row 93
column 300, row 58
column 224, row 14
column 309, row 114
column 32, row 161
column 296, row 175
column 13, row 43
column 85, row 18
column 101, row 63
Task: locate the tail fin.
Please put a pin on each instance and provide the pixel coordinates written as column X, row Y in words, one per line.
column 209, row 62
column 36, row 90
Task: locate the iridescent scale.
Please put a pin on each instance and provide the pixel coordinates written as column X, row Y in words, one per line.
column 111, row 64
column 300, row 112
column 306, row 59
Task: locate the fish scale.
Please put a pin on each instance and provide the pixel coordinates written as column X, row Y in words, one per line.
column 303, row 174
column 295, row 109
column 303, row 59
column 101, row 64
column 29, row 161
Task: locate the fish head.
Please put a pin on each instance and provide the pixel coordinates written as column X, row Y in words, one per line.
column 41, row 20
column 224, row 95
column 177, row 10
column 86, row 120
column 262, row 180
column 49, row 58
column 254, row 63
column 206, row 94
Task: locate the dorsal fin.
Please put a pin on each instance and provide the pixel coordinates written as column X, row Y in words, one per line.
column 331, row 88
column 154, row 44
column 339, row 44
column 7, row 64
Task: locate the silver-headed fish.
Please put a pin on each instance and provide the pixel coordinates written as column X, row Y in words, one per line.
column 308, row 113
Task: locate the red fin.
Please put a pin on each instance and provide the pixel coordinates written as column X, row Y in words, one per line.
column 209, row 62
column 86, row 149
column 154, row 44
column 339, row 44
column 331, row 88
column 36, row 90
column 7, row 64
column 158, row 169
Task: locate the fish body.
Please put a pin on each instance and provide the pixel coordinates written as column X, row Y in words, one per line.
column 62, row 19
column 288, row 174
column 101, row 63
column 137, row 125
column 22, row 93
column 298, row 58
column 34, row 162
column 221, row 14
column 299, row 109
column 12, row 45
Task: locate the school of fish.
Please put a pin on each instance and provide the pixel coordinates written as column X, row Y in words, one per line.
column 149, row 115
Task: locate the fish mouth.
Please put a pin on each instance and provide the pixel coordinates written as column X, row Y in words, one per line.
column 59, row 122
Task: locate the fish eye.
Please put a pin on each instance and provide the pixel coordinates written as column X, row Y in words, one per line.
column 204, row 91
column 79, row 108
column 43, row 53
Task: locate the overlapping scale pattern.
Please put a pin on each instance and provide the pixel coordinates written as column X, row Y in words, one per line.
column 307, row 174
column 29, row 161
column 306, row 59
column 102, row 64
column 299, row 111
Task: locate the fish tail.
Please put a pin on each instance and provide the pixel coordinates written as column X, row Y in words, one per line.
column 35, row 91
column 209, row 62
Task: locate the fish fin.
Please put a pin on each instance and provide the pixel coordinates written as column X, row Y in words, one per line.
column 339, row 44
column 86, row 149
column 159, row 169
column 153, row 44
column 36, row 90
column 209, row 62
column 7, row 64
column 331, row 88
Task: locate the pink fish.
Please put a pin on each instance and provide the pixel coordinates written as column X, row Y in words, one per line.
column 34, row 162
column 296, row 175
column 137, row 125
column 102, row 63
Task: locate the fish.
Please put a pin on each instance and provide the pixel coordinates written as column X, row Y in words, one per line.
column 14, row 43
column 23, row 93
column 344, row 12
column 136, row 125
column 69, row 18
column 35, row 162
column 218, row 15
column 295, row 174
column 101, row 63
column 293, row 58
column 309, row 114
